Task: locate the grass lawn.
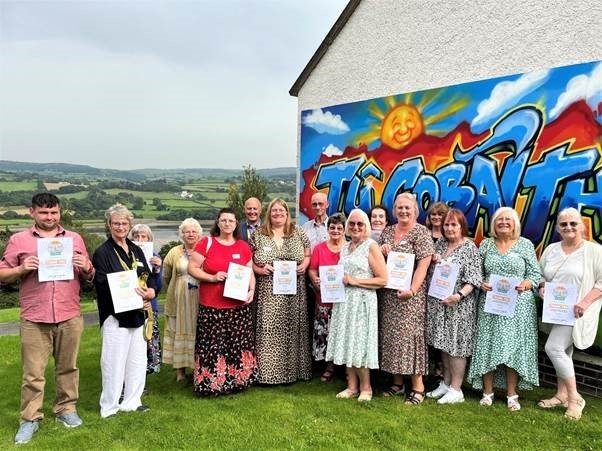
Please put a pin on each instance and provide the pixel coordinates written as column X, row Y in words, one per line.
column 17, row 185
column 305, row 415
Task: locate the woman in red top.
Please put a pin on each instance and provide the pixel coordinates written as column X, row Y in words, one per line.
column 325, row 254
column 225, row 341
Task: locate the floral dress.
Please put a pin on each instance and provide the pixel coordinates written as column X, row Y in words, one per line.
column 451, row 329
column 282, row 328
column 402, row 331
column 507, row 341
column 353, row 335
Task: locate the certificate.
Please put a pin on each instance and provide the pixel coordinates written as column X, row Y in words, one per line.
column 331, row 283
column 122, row 286
column 285, row 277
column 558, row 302
column 443, row 282
column 147, row 249
column 238, row 281
column 400, row 268
column 56, row 259
column 501, row 300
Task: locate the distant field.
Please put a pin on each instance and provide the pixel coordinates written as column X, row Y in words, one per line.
column 213, row 191
column 18, row 186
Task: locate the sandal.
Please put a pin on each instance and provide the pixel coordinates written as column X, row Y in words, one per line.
column 513, row 404
column 394, row 390
column 327, row 376
column 415, row 398
column 486, row 400
column 554, row 401
column 347, row 393
column 575, row 410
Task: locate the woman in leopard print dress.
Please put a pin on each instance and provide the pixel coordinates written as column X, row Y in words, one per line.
column 282, row 335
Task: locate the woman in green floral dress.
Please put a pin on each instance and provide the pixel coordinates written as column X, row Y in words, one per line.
column 505, row 352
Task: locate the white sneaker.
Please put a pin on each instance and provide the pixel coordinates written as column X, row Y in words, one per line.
column 452, row 396
column 439, row 391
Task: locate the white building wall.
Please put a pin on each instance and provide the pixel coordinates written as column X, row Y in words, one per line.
column 397, row 46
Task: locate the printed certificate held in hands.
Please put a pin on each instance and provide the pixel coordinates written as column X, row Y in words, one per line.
column 400, row 269
column 147, row 250
column 56, row 259
column 237, row 283
column 501, row 300
column 443, row 282
column 285, row 277
column 123, row 286
column 332, row 288
column 558, row 302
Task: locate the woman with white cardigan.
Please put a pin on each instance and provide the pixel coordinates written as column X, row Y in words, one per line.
column 576, row 261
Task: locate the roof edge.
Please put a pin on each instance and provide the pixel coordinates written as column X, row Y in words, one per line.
column 324, row 46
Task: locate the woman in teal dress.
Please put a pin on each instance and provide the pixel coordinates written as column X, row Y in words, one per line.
column 505, row 352
column 353, row 334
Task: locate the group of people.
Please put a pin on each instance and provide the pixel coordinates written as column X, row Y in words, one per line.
column 271, row 338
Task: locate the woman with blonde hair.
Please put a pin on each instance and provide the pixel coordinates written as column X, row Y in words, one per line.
column 572, row 260
column 282, row 332
column 505, row 347
column 402, row 313
column 353, row 336
column 123, row 356
column 182, row 304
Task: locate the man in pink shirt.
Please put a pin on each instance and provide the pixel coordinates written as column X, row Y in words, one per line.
column 51, row 321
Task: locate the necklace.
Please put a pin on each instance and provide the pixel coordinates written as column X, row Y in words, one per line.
column 353, row 246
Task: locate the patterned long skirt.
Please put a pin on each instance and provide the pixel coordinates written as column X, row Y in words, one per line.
column 153, row 347
column 225, row 360
column 321, row 322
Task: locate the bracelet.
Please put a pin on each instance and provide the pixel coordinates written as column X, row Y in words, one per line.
column 462, row 295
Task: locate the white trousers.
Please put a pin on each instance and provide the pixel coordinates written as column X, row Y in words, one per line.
column 123, row 366
column 559, row 348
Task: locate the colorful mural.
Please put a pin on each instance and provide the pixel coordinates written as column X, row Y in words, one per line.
column 531, row 141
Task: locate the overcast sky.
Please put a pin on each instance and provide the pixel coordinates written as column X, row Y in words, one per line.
column 137, row 84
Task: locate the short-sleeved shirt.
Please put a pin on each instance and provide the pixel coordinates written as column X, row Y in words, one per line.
column 44, row 302
column 317, row 233
column 217, row 258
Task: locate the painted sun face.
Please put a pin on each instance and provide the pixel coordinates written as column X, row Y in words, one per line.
column 401, row 126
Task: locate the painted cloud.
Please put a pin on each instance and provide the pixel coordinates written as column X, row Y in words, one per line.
column 332, row 150
column 578, row 88
column 325, row 122
column 506, row 93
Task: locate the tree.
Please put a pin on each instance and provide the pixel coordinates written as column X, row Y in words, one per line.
column 252, row 185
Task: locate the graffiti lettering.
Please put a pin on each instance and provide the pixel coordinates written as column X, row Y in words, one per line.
column 499, row 170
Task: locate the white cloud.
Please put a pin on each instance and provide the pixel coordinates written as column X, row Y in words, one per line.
column 580, row 87
column 506, row 93
column 332, row 150
column 325, row 122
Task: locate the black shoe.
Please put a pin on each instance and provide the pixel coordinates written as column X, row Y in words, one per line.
column 142, row 408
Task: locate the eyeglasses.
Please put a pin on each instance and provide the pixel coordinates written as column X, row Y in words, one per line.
column 120, row 224
column 359, row 225
column 570, row 223
column 334, row 228
column 317, row 204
